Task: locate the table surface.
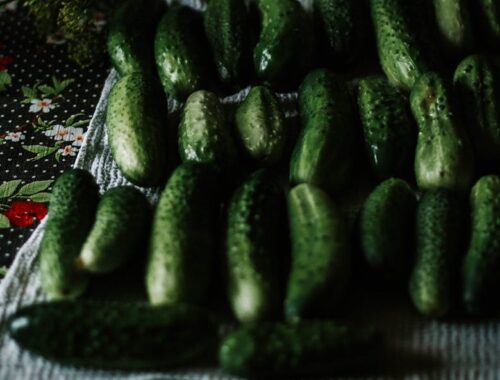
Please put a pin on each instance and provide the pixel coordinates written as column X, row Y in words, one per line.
column 44, row 115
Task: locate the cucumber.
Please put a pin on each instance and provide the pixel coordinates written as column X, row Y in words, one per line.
column 261, row 127
column 444, row 156
column 182, row 239
column 284, row 48
column 386, row 226
column 477, row 80
column 454, row 25
column 204, row 133
column 323, row 153
column 439, row 228
column 181, row 53
column 131, row 30
column 402, row 43
column 228, row 31
column 321, row 255
column 135, row 121
column 488, row 22
column 388, row 129
column 253, row 245
column 72, row 210
column 482, row 261
column 122, row 336
column 307, row 348
column 339, row 30
column 122, row 219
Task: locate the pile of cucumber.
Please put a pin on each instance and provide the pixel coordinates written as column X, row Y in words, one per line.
column 252, row 211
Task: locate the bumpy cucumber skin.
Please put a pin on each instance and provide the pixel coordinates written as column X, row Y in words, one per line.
column 482, row 261
column 114, row 335
column 444, row 156
column 386, row 228
column 321, row 254
column 182, row 239
column 261, row 126
column 478, row 83
column 338, row 24
column 488, row 22
column 285, row 44
column 253, row 245
column 323, row 153
column 180, row 52
column 388, row 127
column 136, row 125
column 71, row 215
column 121, row 221
column 454, row 25
column 228, row 31
column 439, row 228
column 204, row 133
column 307, row 348
column 401, row 47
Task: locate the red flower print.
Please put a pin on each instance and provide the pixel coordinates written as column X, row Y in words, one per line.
column 4, row 61
column 24, row 214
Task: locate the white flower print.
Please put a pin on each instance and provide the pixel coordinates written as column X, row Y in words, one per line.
column 44, row 105
column 68, row 150
column 15, row 136
column 59, row 133
column 78, row 136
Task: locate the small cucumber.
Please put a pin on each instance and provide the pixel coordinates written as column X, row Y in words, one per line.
column 72, row 210
column 444, row 156
column 439, row 228
column 477, row 80
column 261, row 126
column 120, row 336
column 386, row 227
column 122, row 219
column 388, row 128
column 321, row 256
column 204, row 133
column 482, row 261
column 323, row 153
column 135, row 121
column 228, row 31
column 487, row 14
column 307, row 348
column 181, row 52
column 182, row 239
column 454, row 24
column 284, row 49
column 253, row 246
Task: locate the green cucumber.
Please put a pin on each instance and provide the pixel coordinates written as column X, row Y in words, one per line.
column 477, row 80
column 439, row 229
column 181, row 52
column 401, row 41
column 454, row 24
column 205, row 135
column 261, row 126
column 284, row 49
column 136, row 126
column 323, row 153
column 487, row 14
column 120, row 336
column 228, row 31
column 71, row 214
column 307, row 348
column 183, row 239
column 388, row 130
column 321, row 256
column 386, row 227
column 253, row 242
column 444, row 156
column 482, row 261
column 121, row 221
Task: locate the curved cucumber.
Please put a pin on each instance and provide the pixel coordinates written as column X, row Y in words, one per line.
column 253, row 241
column 444, row 156
column 454, row 24
column 72, row 210
column 321, row 258
column 488, row 22
column 121, row 221
column 261, row 126
column 183, row 234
